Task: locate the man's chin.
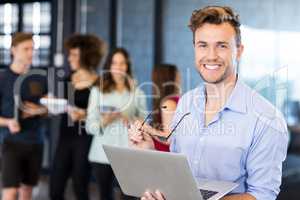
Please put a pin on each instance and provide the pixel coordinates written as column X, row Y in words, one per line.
column 212, row 80
column 28, row 64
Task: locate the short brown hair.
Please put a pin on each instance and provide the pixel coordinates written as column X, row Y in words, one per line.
column 20, row 37
column 215, row 15
column 92, row 49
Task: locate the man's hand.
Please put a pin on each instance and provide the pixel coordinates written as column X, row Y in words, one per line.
column 30, row 109
column 13, row 126
column 153, row 196
column 138, row 138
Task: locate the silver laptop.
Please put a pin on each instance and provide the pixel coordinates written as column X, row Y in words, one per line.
column 138, row 170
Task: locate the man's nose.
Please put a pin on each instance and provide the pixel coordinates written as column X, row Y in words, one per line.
column 30, row 53
column 212, row 53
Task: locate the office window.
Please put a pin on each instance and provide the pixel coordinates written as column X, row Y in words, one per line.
column 37, row 17
column 8, row 24
column 34, row 17
column 270, row 64
column 8, row 18
column 42, row 50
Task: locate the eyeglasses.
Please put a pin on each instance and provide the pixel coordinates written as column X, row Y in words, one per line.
column 148, row 116
column 172, row 131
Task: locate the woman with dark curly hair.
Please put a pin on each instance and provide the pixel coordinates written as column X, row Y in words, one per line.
column 71, row 156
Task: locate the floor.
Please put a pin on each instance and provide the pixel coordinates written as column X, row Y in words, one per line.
column 291, row 178
column 41, row 191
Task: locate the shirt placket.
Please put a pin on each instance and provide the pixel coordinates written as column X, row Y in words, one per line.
column 199, row 165
column 198, row 160
column 200, row 139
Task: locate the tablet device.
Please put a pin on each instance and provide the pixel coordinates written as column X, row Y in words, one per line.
column 55, row 105
column 108, row 109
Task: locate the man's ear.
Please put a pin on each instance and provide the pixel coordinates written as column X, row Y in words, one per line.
column 12, row 50
column 240, row 50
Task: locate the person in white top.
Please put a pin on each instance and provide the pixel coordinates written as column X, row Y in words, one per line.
column 113, row 103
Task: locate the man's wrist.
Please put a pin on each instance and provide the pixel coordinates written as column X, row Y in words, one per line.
column 6, row 121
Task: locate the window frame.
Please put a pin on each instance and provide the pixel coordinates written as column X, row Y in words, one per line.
column 20, row 5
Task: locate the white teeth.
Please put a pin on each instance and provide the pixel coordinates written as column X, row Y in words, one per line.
column 211, row 67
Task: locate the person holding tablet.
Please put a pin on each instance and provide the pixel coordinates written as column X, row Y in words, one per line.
column 113, row 103
column 71, row 155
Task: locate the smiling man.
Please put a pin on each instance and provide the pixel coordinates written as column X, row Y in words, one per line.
column 233, row 133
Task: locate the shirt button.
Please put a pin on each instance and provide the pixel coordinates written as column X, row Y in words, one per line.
column 196, row 162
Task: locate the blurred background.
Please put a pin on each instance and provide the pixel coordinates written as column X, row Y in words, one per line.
column 155, row 31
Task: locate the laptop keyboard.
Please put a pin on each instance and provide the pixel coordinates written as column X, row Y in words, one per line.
column 206, row 194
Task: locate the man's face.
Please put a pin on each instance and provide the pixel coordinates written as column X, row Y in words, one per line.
column 216, row 52
column 23, row 52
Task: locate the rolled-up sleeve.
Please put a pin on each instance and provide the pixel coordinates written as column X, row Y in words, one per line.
column 264, row 161
column 92, row 125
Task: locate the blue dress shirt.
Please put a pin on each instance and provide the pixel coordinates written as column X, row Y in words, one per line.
column 246, row 141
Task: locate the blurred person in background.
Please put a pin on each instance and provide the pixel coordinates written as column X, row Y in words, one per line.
column 21, row 120
column 71, row 155
column 113, row 104
column 166, row 91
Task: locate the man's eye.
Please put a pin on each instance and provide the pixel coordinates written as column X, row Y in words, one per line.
column 222, row 46
column 201, row 45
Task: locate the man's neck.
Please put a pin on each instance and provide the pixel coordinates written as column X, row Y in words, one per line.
column 217, row 94
column 18, row 68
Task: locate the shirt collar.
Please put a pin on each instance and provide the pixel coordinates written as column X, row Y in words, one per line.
column 199, row 98
column 237, row 100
